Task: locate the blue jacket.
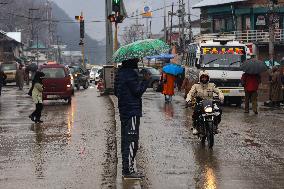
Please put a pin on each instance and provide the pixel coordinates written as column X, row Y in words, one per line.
column 129, row 90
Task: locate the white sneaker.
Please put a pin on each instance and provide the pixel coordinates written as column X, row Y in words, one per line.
column 195, row 132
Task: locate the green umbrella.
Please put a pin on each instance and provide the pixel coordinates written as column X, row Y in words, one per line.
column 140, row 49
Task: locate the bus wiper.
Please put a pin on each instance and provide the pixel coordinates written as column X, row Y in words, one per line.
column 234, row 62
column 211, row 61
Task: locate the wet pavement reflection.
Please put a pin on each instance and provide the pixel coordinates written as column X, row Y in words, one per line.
column 247, row 154
column 74, row 147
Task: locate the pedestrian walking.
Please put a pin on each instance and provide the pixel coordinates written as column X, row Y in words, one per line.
column 129, row 90
column 37, row 88
column 27, row 76
column 179, row 81
column 169, row 87
column 20, row 77
column 276, row 87
column 187, row 84
column 251, row 83
column 3, row 78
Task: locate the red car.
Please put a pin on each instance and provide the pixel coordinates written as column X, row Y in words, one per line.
column 56, row 82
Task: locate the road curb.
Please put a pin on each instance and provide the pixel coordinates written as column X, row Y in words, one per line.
column 119, row 182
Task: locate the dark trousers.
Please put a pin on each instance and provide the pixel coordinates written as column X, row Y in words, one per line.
column 129, row 142
column 251, row 96
column 0, row 89
column 37, row 113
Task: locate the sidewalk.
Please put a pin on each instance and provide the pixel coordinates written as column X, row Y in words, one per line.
column 121, row 184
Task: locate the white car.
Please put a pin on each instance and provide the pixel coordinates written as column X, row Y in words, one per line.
column 93, row 73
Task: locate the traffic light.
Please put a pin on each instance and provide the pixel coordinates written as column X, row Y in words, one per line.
column 116, row 5
column 119, row 19
column 81, row 42
column 82, row 29
column 111, row 18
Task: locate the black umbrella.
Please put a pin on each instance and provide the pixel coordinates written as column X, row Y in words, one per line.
column 32, row 67
column 253, row 66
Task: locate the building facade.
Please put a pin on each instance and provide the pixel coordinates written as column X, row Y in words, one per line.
column 10, row 49
column 247, row 20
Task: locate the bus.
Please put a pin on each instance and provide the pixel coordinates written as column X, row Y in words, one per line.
column 222, row 59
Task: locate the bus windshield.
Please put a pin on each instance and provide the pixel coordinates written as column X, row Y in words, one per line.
column 222, row 58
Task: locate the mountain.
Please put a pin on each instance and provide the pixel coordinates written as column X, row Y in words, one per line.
column 69, row 34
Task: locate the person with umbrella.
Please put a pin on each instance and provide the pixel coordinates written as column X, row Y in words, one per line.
column 168, row 86
column 170, row 72
column 129, row 90
column 251, row 80
column 251, row 83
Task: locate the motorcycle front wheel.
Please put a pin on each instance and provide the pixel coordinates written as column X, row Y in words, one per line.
column 210, row 134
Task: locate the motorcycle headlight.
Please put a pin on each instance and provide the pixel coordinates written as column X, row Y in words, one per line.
column 208, row 110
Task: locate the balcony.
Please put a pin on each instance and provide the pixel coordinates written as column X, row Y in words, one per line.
column 258, row 36
column 248, row 36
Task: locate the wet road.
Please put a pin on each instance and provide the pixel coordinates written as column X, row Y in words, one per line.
column 74, row 148
column 248, row 154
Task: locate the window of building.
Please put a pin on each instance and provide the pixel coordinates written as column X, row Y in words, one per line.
column 246, row 22
column 223, row 24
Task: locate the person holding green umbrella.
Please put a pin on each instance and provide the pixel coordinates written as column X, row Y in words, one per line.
column 129, row 90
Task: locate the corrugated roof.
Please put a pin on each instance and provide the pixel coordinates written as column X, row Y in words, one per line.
column 17, row 36
column 206, row 3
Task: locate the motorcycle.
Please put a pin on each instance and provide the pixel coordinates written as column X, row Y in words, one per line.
column 209, row 116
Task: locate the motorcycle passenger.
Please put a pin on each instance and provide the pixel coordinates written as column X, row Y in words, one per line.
column 203, row 90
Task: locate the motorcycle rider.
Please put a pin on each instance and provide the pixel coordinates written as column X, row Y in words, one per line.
column 203, row 90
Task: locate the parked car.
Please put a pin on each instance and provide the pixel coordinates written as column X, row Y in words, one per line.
column 10, row 70
column 81, row 76
column 56, row 83
column 155, row 76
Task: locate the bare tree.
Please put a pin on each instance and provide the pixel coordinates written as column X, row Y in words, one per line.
column 133, row 33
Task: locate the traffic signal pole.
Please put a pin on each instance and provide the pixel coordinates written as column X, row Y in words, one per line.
column 116, row 37
column 109, row 36
column 82, row 40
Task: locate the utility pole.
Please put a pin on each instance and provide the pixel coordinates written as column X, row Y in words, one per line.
column 37, row 49
column 58, row 50
column 49, row 18
column 183, row 26
column 31, row 17
column 165, row 22
column 189, row 23
column 109, row 36
column 171, row 30
column 272, row 21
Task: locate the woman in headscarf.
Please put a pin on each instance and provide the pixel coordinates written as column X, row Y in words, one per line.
column 276, row 87
column 37, row 89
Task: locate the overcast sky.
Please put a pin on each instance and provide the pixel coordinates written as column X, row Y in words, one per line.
column 95, row 10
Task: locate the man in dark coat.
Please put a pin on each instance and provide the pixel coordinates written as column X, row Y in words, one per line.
column 129, row 90
column 251, row 83
column 3, row 77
